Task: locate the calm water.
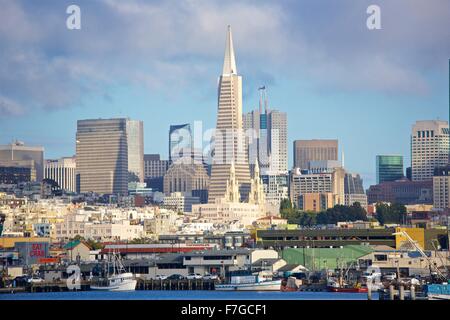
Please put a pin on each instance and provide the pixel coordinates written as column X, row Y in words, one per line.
column 185, row 295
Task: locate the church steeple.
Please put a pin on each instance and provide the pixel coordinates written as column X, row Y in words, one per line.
column 229, row 63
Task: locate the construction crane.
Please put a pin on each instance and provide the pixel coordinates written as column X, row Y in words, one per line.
column 422, row 253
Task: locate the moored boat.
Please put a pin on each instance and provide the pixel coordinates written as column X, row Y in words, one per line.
column 249, row 283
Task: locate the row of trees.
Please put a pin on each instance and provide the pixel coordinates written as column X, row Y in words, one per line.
column 394, row 213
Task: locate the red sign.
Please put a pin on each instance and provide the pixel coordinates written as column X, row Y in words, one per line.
column 47, row 260
column 37, row 250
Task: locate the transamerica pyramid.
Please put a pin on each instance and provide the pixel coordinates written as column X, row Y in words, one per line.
column 229, row 142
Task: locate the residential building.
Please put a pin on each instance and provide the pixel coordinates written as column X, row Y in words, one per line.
column 276, row 188
column 429, row 148
column 389, row 168
column 180, row 201
column 310, row 150
column 63, row 172
column 18, row 151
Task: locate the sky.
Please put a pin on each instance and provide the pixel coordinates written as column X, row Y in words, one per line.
column 159, row 61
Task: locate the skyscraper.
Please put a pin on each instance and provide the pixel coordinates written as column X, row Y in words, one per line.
column 18, row 151
column 268, row 141
column 180, row 141
column 109, row 155
column 310, row 150
column 429, row 148
column 229, row 140
column 389, row 168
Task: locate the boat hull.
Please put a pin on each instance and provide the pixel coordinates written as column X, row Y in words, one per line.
column 127, row 285
column 348, row 290
column 259, row 286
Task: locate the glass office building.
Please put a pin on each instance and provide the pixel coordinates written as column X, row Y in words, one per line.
column 389, row 168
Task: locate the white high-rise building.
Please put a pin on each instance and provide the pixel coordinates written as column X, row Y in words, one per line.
column 429, row 148
column 62, row 171
column 229, row 139
column 267, row 134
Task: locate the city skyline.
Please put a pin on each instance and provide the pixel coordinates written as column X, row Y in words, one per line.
column 399, row 87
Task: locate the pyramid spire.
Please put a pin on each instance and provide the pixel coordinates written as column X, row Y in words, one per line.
column 229, row 63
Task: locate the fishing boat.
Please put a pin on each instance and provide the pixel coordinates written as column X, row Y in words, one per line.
column 438, row 291
column 250, row 283
column 334, row 285
column 116, row 279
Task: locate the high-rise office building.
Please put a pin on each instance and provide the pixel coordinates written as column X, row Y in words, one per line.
column 135, row 142
column 180, row 142
column 310, row 150
column 441, row 187
column 267, row 138
column 389, row 168
column 18, row 151
column 108, row 155
column 429, row 148
column 63, row 172
column 229, row 139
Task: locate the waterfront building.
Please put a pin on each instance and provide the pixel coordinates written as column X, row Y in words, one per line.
column 63, row 172
column 154, row 170
column 310, row 150
column 402, row 191
column 18, row 151
column 267, row 133
column 389, row 168
column 229, row 139
column 109, row 155
column 354, row 190
column 180, row 202
column 429, row 148
column 17, row 171
column 338, row 237
column 326, row 182
column 441, row 187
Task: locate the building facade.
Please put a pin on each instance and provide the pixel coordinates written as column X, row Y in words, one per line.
column 389, row 168
column 310, row 150
column 441, row 188
column 18, row 151
column 229, row 139
column 154, row 170
column 402, row 191
column 267, row 134
column 14, row 172
column 109, row 155
column 185, row 178
column 180, row 142
column 62, row 171
column 429, row 148
column 354, row 190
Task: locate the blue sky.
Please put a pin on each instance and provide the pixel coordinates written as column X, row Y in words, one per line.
column 158, row 61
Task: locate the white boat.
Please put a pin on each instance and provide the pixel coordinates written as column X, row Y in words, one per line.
column 249, row 283
column 119, row 280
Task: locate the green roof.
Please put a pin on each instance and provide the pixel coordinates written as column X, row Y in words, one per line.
column 325, row 258
column 72, row 244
